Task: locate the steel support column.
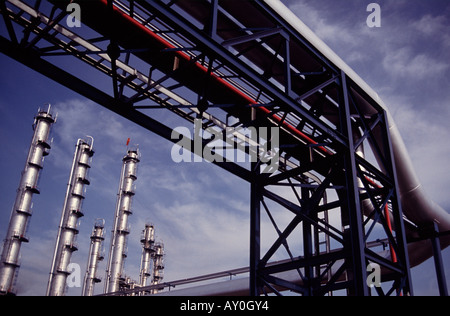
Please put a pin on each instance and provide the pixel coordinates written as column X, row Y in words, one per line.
column 255, row 231
column 352, row 200
column 438, row 264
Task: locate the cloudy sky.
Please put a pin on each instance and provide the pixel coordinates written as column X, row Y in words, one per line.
column 200, row 212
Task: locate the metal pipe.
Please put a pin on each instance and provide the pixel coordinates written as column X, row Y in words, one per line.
column 68, row 227
column 21, row 212
column 147, row 240
column 95, row 255
column 158, row 265
column 120, row 230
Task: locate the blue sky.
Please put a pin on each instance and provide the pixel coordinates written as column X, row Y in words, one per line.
column 199, row 211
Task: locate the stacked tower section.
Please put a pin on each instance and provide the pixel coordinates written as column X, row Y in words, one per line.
column 68, row 228
column 95, row 256
column 21, row 212
column 147, row 241
column 158, row 265
column 117, row 254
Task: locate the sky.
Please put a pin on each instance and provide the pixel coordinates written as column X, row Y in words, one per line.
column 200, row 212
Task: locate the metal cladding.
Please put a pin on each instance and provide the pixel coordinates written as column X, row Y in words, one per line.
column 68, row 229
column 120, row 231
column 158, row 265
column 21, row 212
column 147, row 240
column 95, row 255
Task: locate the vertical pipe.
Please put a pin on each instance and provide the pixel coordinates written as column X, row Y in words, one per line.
column 22, row 207
column 68, row 228
column 120, row 231
column 158, row 265
column 95, row 255
column 147, row 240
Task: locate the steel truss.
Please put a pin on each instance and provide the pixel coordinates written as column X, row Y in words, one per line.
column 237, row 64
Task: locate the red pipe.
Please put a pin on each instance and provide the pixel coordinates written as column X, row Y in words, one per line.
column 388, row 221
column 221, row 81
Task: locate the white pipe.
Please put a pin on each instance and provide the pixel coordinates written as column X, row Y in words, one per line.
column 22, row 207
column 95, row 255
column 147, row 240
column 68, row 226
column 120, row 231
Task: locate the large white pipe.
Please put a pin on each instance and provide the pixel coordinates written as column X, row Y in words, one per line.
column 120, row 231
column 95, row 255
column 158, row 265
column 147, row 240
column 21, row 212
column 68, row 227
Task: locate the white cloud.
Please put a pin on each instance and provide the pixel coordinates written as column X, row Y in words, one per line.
column 430, row 25
column 429, row 153
column 405, row 63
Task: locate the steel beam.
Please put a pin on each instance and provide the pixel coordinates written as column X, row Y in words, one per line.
column 31, row 59
column 215, row 49
column 352, row 200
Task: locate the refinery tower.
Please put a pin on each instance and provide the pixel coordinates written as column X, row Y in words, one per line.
column 22, row 209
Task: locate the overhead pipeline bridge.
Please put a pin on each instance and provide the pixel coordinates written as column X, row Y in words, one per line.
column 343, row 173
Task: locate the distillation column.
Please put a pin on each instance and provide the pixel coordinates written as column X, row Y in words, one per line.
column 22, row 207
column 158, row 265
column 147, row 240
column 95, row 255
column 120, row 230
column 68, row 228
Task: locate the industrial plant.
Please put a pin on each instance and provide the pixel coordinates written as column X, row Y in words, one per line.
column 334, row 203
column 65, row 244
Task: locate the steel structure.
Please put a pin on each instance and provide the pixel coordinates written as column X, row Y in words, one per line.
column 68, row 227
column 121, row 229
column 236, row 64
column 158, row 267
column 22, row 209
column 148, row 250
column 95, row 255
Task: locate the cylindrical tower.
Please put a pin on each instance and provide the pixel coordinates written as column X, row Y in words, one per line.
column 158, row 265
column 21, row 212
column 121, row 230
column 95, row 255
column 147, row 241
column 68, row 227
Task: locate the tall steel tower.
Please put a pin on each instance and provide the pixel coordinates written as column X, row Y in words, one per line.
column 21, row 212
column 147, row 241
column 120, row 231
column 158, row 265
column 95, row 255
column 68, row 227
